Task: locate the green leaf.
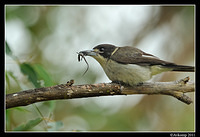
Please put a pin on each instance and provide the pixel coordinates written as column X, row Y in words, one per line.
column 8, row 120
column 28, row 70
column 29, row 125
column 36, row 74
column 43, row 75
column 8, row 50
column 9, row 73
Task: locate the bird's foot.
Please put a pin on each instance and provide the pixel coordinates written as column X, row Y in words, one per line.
column 116, row 82
column 140, row 84
column 121, row 83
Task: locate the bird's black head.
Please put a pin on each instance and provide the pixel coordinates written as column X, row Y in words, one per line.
column 101, row 52
column 105, row 50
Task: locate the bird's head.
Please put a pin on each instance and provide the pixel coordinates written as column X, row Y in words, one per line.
column 100, row 52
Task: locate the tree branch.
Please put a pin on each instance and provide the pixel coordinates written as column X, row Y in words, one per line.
column 67, row 91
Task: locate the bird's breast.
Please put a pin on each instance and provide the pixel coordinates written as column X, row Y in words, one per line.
column 131, row 74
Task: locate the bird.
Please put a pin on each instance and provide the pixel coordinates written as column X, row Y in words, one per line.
column 129, row 65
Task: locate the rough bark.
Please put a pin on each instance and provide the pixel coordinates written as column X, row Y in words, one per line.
column 176, row 89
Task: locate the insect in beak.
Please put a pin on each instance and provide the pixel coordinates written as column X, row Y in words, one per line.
column 80, row 57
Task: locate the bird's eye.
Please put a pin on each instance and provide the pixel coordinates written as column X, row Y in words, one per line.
column 101, row 49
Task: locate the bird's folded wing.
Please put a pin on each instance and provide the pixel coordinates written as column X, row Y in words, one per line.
column 136, row 56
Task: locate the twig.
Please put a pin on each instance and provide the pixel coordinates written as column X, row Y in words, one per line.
column 68, row 91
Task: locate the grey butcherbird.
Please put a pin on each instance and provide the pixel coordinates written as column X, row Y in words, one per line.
column 129, row 65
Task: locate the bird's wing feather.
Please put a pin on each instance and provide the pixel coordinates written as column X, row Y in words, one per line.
column 136, row 56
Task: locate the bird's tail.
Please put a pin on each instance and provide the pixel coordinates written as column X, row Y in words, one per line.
column 182, row 68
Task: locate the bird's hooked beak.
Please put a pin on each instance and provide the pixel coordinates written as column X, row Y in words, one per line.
column 92, row 52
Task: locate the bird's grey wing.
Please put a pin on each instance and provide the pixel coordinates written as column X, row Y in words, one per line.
column 136, row 56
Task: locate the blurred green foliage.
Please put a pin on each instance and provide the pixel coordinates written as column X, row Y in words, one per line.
column 29, row 125
column 27, row 69
column 41, row 45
